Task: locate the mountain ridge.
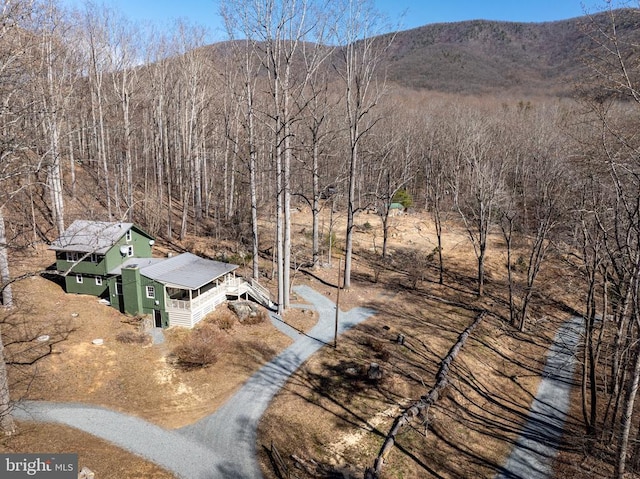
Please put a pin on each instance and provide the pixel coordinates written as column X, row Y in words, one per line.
column 485, row 56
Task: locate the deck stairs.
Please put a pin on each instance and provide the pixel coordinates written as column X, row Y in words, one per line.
column 255, row 290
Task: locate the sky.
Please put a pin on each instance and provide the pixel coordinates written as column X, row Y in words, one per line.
column 404, row 14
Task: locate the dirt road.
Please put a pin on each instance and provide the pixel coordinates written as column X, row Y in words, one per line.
column 533, row 454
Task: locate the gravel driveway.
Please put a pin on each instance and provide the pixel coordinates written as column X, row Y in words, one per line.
column 222, row 445
column 533, row 454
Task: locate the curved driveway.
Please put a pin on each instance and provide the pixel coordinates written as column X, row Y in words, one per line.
column 222, row 445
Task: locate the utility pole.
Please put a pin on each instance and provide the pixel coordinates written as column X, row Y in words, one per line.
column 335, row 335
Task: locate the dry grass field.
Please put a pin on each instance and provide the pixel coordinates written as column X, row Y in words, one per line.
column 329, row 412
column 331, row 418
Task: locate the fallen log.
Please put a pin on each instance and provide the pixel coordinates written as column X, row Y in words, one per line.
column 421, row 407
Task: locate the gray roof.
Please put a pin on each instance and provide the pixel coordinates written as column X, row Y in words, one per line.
column 186, row 271
column 136, row 262
column 90, row 236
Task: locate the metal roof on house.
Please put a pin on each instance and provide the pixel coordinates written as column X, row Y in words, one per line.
column 90, row 236
column 187, row 271
column 139, row 262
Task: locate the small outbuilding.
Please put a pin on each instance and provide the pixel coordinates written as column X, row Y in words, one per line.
column 396, row 209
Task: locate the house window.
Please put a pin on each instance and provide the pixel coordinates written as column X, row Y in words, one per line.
column 128, row 235
column 94, row 258
column 130, row 251
column 79, row 278
column 118, row 288
column 98, row 280
column 72, row 256
column 151, row 292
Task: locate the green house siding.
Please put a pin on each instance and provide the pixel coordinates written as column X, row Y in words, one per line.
column 92, row 264
column 89, row 284
column 88, row 273
column 142, row 295
column 139, row 243
column 131, row 290
column 157, row 302
column 98, row 264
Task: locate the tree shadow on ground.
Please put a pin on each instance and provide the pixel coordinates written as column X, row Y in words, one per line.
column 376, row 340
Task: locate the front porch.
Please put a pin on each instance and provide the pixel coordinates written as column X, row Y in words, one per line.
column 187, row 307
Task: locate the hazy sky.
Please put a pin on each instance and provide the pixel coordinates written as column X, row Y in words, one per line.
column 403, row 13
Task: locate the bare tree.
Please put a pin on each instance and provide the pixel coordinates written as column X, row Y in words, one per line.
column 435, row 153
column 16, row 49
column 55, row 81
column 246, row 59
column 319, row 129
column 126, row 86
column 96, row 23
column 275, row 34
column 539, row 184
column 477, row 182
column 364, row 86
column 612, row 96
column 393, row 159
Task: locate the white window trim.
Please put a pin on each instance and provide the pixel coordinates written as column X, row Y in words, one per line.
column 94, row 258
column 98, row 280
column 79, row 279
column 72, row 256
column 130, row 251
column 151, row 289
column 128, row 235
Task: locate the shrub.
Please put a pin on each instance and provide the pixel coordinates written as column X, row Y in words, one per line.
column 223, row 318
column 379, row 347
column 225, row 322
column 404, row 198
column 520, row 265
column 200, row 349
column 333, row 240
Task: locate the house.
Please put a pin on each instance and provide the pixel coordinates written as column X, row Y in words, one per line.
column 113, row 261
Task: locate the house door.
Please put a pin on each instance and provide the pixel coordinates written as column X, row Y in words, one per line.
column 157, row 318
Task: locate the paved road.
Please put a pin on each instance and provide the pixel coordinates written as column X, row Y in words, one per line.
column 220, row 446
column 533, row 454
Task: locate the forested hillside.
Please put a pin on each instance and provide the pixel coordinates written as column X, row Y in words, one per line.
column 485, row 57
column 527, row 131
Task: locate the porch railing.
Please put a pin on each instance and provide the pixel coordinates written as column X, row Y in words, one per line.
column 195, row 303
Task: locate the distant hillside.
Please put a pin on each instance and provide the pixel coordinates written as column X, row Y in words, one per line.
column 487, row 56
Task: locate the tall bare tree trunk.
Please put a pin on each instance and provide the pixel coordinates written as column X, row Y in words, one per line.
column 627, row 416
column 286, row 175
column 362, row 53
column 255, row 267
column 315, row 207
column 5, row 276
column 7, row 424
column 98, row 118
column 52, row 104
